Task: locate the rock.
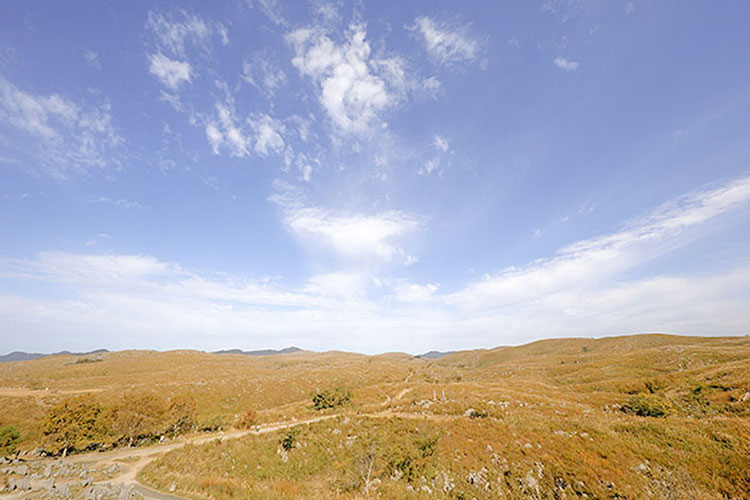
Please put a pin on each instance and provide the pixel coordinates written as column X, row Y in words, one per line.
column 745, row 397
column 96, row 492
column 47, row 471
column 86, row 482
column 172, row 487
column 47, row 484
column 21, row 470
column 62, row 491
column 471, row 413
column 20, row 484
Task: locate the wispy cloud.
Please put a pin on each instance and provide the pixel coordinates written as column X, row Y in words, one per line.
column 259, row 132
column 92, row 58
column 447, row 44
column 175, row 30
column 170, row 72
column 565, row 64
column 119, row 202
column 67, row 136
column 271, row 9
column 263, row 75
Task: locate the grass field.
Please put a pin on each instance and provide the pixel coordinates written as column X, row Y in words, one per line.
column 648, row 416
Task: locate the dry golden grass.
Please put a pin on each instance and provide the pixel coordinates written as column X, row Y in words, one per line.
column 551, row 419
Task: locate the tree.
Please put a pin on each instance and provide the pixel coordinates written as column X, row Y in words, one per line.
column 75, row 424
column 138, row 415
column 182, row 411
column 9, row 440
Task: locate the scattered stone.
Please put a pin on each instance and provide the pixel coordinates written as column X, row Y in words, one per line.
column 20, row 484
column 47, row 484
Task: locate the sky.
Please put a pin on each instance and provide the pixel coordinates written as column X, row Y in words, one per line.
column 371, row 176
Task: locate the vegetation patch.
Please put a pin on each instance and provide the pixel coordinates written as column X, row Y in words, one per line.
column 329, row 399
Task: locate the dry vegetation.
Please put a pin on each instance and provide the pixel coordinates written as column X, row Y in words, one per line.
column 650, row 416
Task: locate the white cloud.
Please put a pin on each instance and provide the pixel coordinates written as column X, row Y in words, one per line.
column 352, row 234
column 407, row 292
column 350, row 92
column 565, row 64
column 268, row 134
column 432, row 164
column 170, row 72
column 92, row 58
column 263, row 74
column 119, row 202
column 271, row 9
column 441, row 143
column 259, row 133
column 587, row 264
column 174, row 31
column 446, row 44
column 580, row 291
column 69, row 136
column 225, row 132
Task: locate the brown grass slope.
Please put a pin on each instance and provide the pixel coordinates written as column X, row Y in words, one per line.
column 647, row 416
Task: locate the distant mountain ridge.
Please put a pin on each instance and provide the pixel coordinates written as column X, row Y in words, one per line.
column 434, row 354
column 28, row 356
column 261, row 352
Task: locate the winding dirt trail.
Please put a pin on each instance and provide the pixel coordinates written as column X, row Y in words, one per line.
column 132, row 460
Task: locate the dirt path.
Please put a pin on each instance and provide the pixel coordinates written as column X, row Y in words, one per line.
column 132, row 460
column 140, row 457
column 22, row 392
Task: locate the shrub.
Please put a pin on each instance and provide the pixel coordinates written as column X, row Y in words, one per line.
column 331, row 399
column 247, row 419
column 9, row 440
column 287, row 442
column 644, row 406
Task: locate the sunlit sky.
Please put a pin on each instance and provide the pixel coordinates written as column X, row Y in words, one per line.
column 371, row 176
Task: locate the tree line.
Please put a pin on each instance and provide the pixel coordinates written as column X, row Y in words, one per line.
column 84, row 423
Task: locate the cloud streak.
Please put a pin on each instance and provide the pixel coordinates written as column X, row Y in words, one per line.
column 446, row 44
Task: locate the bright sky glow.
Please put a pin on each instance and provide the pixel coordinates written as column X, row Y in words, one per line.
column 378, row 177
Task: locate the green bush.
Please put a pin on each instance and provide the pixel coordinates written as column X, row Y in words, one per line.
column 9, row 440
column 645, row 406
column 331, row 399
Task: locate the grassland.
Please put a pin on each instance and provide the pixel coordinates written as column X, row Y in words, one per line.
column 648, row 416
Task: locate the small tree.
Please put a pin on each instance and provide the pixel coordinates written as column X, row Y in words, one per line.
column 182, row 411
column 9, row 440
column 247, row 419
column 331, row 399
column 138, row 415
column 75, row 424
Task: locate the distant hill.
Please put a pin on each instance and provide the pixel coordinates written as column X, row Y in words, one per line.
column 434, row 354
column 262, row 352
column 28, row 356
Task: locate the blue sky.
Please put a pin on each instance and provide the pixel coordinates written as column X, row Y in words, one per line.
column 371, row 176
